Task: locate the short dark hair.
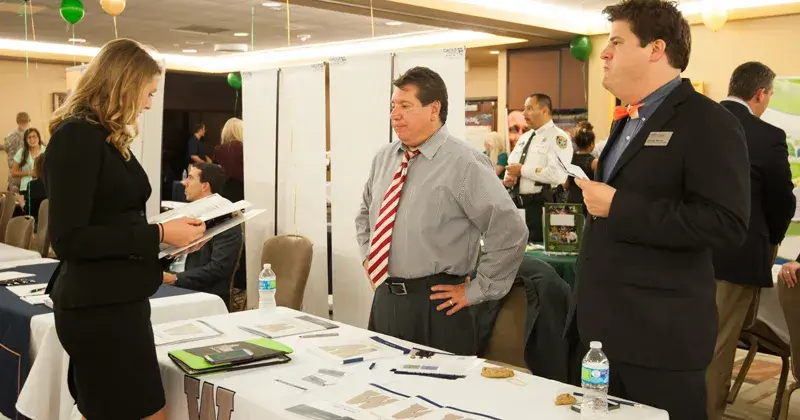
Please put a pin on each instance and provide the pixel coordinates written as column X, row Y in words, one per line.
column 584, row 135
column 38, row 166
column 749, row 78
column 656, row 19
column 543, row 100
column 197, row 127
column 431, row 87
column 213, row 174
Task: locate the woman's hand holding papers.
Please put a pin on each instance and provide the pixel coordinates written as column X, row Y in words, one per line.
column 183, row 231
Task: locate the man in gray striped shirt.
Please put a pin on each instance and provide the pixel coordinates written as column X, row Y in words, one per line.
column 450, row 198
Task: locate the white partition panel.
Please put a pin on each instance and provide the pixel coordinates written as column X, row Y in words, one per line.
column 356, row 83
column 147, row 146
column 302, row 208
column 449, row 63
column 259, row 113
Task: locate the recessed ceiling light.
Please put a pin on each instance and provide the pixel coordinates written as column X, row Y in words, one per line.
column 394, row 23
column 77, row 40
column 189, row 51
column 304, row 37
column 195, row 42
column 495, row 52
column 272, row 4
column 240, row 34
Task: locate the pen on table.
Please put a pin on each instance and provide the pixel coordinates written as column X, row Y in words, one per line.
column 372, row 366
column 614, row 400
column 210, row 326
column 320, row 335
column 291, row 384
column 353, row 360
column 35, row 291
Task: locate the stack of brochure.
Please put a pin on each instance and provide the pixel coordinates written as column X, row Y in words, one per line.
column 218, row 213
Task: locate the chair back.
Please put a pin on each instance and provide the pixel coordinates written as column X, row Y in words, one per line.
column 290, row 257
column 790, row 302
column 237, row 298
column 7, row 212
column 20, row 231
column 507, row 343
column 42, row 244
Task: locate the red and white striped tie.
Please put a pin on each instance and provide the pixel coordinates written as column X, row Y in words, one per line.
column 378, row 268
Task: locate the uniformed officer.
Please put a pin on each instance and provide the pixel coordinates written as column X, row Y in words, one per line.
column 533, row 169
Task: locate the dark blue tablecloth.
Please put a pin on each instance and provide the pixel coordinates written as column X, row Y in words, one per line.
column 15, row 334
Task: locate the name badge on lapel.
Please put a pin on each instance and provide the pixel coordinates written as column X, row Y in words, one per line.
column 658, row 138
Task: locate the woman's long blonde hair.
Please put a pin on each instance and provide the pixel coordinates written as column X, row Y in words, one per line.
column 232, row 131
column 109, row 92
column 498, row 145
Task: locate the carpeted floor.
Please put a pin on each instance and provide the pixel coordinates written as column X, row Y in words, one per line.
column 757, row 396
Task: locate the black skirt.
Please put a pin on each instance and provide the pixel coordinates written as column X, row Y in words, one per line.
column 113, row 368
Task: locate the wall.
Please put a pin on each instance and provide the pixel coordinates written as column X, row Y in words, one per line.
column 32, row 94
column 769, row 40
column 547, row 70
column 481, row 81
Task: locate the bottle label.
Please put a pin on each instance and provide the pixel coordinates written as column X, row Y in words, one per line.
column 267, row 284
column 594, row 376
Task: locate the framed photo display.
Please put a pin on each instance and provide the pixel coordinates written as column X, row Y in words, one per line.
column 563, row 228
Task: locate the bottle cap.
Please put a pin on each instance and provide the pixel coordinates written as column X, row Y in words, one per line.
column 268, row 265
column 596, row 345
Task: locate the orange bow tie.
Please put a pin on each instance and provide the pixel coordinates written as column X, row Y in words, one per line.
column 621, row 112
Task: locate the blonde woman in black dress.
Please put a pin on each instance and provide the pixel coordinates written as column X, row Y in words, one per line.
column 108, row 252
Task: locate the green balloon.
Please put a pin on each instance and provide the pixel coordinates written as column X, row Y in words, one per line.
column 580, row 47
column 235, row 80
column 72, row 11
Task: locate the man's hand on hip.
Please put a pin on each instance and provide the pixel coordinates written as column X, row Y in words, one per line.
column 597, row 196
column 456, row 296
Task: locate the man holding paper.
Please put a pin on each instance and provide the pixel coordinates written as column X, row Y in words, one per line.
column 210, row 268
column 672, row 184
column 533, row 167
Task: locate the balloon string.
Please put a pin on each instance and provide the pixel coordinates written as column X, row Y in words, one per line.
column 116, row 35
column 33, row 29
column 372, row 18
column 253, row 28
column 25, row 14
column 236, row 104
column 288, row 25
column 74, row 62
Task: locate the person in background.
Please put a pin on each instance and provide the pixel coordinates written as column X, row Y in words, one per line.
column 582, row 157
column 194, row 150
column 495, row 148
column 741, row 271
column 230, row 155
column 36, row 189
column 533, row 168
column 672, row 185
column 516, row 126
column 32, row 147
column 210, row 268
column 108, row 252
column 12, row 143
column 418, row 248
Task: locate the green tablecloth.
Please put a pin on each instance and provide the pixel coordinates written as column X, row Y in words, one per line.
column 563, row 264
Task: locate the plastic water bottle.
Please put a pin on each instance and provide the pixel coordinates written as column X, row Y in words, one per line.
column 594, row 380
column 267, row 284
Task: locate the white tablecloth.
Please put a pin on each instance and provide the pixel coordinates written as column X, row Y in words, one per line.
column 258, row 396
column 45, row 395
column 10, row 253
column 769, row 308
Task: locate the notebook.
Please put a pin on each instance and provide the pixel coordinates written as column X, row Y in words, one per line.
column 265, row 352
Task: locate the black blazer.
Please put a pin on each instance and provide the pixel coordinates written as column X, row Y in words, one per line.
column 645, row 283
column 108, row 251
column 772, row 203
column 211, row 268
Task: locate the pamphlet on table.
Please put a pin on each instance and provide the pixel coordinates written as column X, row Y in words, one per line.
column 286, row 326
column 427, row 363
column 346, row 352
column 182, row 332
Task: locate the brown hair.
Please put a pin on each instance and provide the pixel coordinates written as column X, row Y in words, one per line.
column 38, row 166
column 110, row 90
column 749, row 78
column 656, row 19
column 431, row 87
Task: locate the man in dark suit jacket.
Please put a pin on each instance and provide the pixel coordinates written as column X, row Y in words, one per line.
column 210, row 268
column 741, row 270
column 672, row 184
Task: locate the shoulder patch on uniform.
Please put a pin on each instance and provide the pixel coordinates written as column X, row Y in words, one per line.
column 561, row 141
